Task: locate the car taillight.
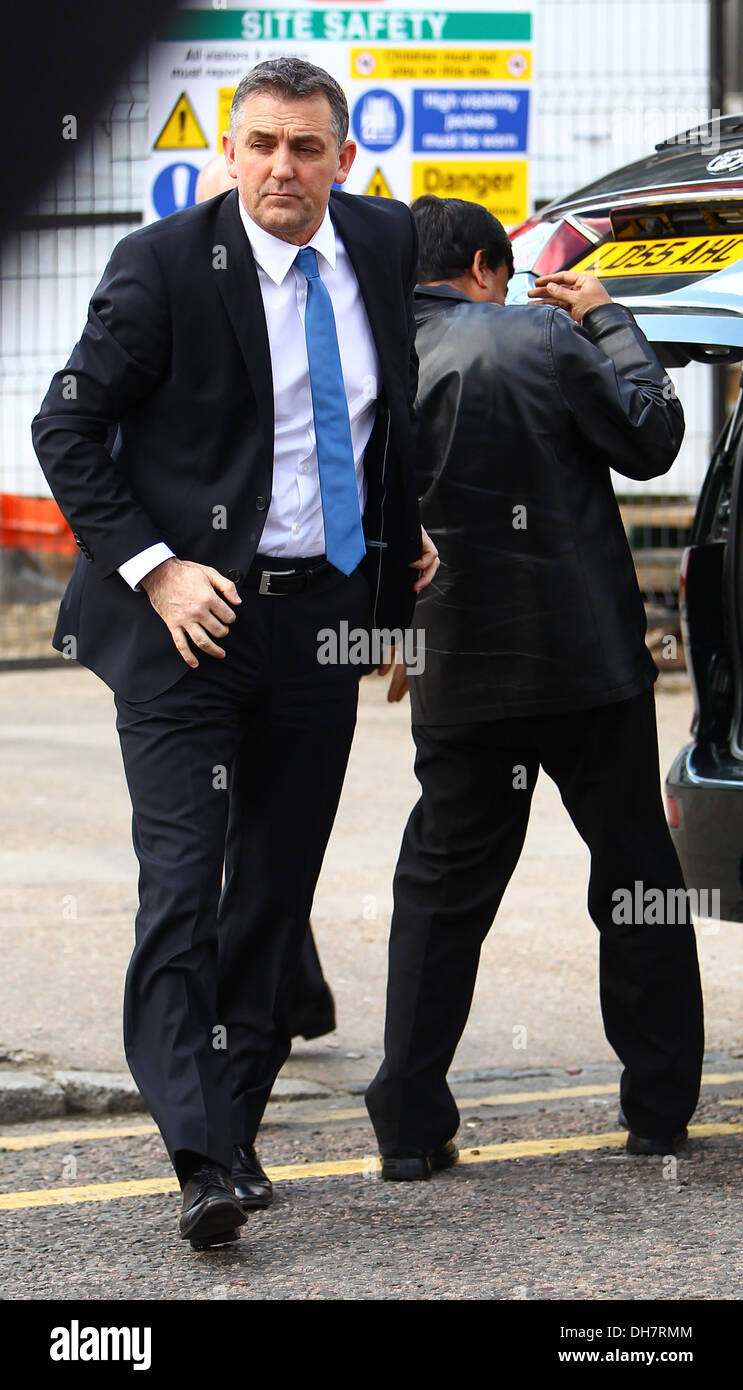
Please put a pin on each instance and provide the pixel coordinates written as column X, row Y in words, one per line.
column 528, row 240
column 564, row 247
column 673, row 812
column 600, row 225
column 523, row 227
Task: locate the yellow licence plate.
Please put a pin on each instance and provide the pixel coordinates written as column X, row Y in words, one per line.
column 694, row 254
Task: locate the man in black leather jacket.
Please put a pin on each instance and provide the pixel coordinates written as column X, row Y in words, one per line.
column 534, row 656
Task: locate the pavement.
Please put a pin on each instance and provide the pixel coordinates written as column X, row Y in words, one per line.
column 545, row 1204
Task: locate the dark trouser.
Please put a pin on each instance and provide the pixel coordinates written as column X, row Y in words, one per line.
column 309, row 982
column 460, row 847
column 238, row 766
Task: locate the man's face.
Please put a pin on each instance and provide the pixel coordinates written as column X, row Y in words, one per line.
column 285, row 158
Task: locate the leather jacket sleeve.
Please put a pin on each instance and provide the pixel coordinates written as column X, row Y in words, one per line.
column 620, row 395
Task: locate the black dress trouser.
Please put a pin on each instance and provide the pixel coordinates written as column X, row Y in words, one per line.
column 309, row 984
column 459, row 850
column 237, row 767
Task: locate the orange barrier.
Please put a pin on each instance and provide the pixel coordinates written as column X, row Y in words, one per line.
column 34, row 523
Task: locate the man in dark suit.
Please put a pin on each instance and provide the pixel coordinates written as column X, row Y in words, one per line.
column 535, row 656
column 311, row 1007
column 231, row 442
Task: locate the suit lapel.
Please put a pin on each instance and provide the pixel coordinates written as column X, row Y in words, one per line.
column 238, row 284
column 240, row 289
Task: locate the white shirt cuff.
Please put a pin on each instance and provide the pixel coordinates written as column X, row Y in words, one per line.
column 134, row 570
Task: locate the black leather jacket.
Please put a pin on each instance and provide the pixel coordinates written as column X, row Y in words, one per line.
column 535, row 609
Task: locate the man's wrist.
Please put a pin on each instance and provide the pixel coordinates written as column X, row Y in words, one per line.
column 152, row 576
column 134, row 570
column 594, row 317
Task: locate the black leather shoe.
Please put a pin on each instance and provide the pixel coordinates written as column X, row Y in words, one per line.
column 312, row 1018
column 210, row 1210
column 638, row 1145
column 418, row 1168
column 253, row 1187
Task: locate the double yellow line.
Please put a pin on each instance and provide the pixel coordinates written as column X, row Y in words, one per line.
column 367, row 1166
column 336, row 1168
column 18, row 1142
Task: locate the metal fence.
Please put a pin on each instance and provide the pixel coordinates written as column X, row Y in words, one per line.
column 612, row 77
column 48, row 270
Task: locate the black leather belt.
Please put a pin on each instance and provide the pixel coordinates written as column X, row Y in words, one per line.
column 277, row 583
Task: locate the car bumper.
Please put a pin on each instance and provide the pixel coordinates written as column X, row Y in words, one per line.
column 709, row 834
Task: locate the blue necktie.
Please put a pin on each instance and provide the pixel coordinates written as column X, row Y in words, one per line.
column 344, row 535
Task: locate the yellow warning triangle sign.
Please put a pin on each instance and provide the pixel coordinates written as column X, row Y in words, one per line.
column 378, row 186
column 181, row 130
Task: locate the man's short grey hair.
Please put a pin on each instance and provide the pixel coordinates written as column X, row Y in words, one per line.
column 292, row 77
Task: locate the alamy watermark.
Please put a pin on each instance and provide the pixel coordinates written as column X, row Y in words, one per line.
column 360, row 646
column 662, row 907
column 76, row 1343
column 673, row 125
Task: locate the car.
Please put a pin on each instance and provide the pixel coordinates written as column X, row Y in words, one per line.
column 665, row 234
column 650, row 228
column 704, row 786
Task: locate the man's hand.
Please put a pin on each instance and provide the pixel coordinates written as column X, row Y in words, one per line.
column 572, row 290
column 428, row 563
column 398, row 685
column 187, row 598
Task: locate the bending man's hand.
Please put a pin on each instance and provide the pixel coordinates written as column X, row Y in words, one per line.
column 572, row 290
column 398, row 686
column 428, row 563
column 187, row 598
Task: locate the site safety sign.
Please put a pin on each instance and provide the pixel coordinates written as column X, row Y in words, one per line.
column 181, row 130
column 439, row 98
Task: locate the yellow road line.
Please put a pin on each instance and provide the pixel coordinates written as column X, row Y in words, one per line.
column 737, row 1101
column 528, row 1148
column 521, row 1097
column 369, row 1165
column 718, row 1078
column 87, row 1192
column 19, row 1142
column 472, row 1102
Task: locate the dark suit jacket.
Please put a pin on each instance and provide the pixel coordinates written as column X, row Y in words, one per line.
column 164, row 412
column 535, row 609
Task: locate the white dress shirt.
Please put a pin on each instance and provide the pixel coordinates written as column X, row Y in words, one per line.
column 294, row 523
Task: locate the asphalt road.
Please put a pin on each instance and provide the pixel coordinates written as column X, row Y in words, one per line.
column 544, row 1210
column 68, row 897
column 544, row 1205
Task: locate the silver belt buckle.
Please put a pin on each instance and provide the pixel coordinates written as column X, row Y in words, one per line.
column 265, row 585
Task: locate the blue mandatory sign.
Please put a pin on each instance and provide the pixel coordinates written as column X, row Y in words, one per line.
column 174, row 188
column 378, row 119
column 478, row 119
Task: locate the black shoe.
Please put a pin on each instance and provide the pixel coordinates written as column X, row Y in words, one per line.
column 444, row 1157
column 638, row 1145
column 418, row 1168
column 312, row 1018
column 253, row 1187
column 210, row 1210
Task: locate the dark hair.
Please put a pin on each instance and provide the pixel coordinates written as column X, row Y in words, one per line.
column 450, row 231
column 293, row 77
